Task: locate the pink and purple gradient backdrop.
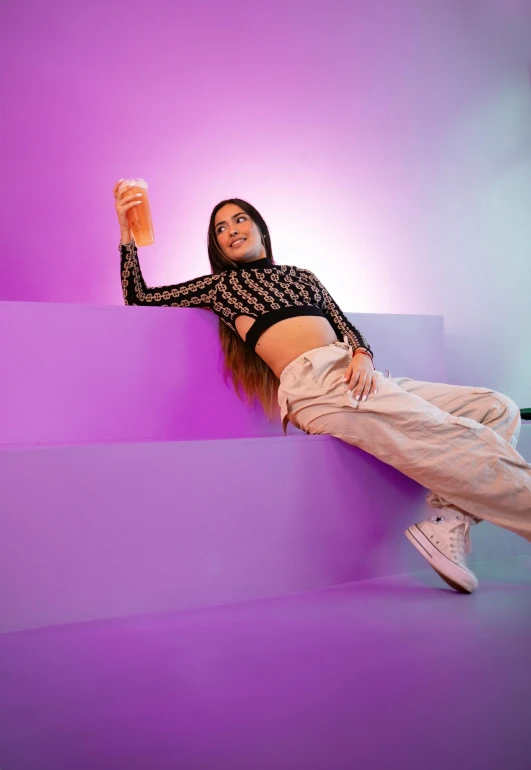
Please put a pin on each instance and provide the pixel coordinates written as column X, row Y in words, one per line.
column 387, row 144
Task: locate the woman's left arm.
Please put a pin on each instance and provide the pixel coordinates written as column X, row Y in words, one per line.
column 341, row 324
column 360, row 375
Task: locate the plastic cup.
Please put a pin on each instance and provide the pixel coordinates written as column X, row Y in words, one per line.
column 139, row 217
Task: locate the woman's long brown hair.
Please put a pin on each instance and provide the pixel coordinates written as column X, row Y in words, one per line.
column 253, row 380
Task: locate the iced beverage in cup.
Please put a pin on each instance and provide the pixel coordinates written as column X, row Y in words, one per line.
column 139, row 217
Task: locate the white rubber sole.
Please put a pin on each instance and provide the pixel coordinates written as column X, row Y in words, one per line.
column 456, row 577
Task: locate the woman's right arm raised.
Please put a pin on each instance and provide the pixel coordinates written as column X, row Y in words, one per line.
column 196, row 293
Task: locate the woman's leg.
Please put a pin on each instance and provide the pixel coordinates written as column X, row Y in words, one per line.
column 487, row 407
column 462, row 461
column 444, row 539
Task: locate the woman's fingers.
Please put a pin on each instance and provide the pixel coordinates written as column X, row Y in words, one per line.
column 359, row 389
column 126, row 202
column 361, row 382
column 116, row 186
column 352, row 377
column 371, row 386
column 129, row 198
column 130, row 205
column 367, row 388
column 125, row 185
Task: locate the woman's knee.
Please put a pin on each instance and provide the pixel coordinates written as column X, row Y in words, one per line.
column 506, row 403
column 510, row 413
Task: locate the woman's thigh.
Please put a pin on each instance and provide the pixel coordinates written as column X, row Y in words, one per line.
column 485, row 406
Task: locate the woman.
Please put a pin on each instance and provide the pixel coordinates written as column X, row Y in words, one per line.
column 283, row 336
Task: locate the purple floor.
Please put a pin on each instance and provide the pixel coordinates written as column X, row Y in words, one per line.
column 391, row 673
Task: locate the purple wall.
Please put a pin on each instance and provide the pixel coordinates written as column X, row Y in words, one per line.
column 387, row 144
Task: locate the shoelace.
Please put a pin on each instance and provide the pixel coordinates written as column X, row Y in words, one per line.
column 464, row 534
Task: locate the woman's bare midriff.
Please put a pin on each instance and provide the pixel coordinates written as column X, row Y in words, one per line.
column 283, row 342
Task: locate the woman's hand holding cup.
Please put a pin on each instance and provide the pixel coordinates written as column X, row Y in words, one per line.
column 124, row 202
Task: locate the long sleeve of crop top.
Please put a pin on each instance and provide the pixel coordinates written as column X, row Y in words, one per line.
column 265, row 289
column 198, row 292
column 336, row 317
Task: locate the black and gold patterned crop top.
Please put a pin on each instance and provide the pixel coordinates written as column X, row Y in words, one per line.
column 260, row 289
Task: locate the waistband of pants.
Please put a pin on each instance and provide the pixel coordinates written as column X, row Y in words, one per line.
column 293, row 366
column 345, row 345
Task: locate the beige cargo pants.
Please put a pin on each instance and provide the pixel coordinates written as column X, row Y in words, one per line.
column 456, row 441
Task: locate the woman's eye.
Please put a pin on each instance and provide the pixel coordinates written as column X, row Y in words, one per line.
column 222, row 227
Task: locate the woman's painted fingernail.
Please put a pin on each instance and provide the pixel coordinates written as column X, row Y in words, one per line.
column 375, row 392
column 357, row 398
column 364, row 398
column 348, row 391
column 344, row 379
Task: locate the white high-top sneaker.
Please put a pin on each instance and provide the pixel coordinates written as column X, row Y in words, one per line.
column 444, row 541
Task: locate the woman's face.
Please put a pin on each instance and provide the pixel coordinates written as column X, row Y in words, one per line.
column 238, row 237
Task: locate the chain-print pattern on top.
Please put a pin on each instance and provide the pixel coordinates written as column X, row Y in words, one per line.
column 264, row 277
column 254, row 291
column 188, row 294
column 239, row 287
